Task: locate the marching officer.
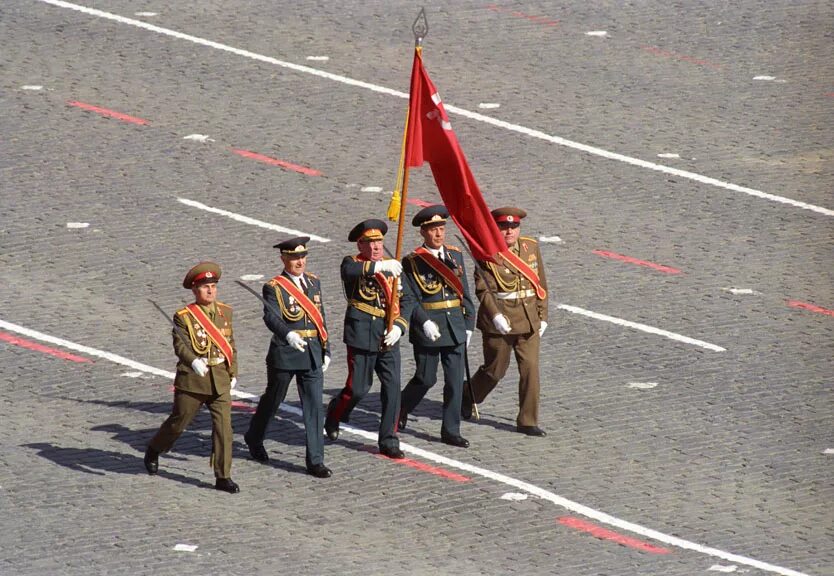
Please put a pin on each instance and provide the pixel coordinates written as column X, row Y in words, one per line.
column 368, row 279
column 512, row 317
column 206, row 373
column 442, row 321
column 299, row 349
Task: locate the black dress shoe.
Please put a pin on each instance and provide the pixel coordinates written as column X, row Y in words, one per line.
column 466, row 410
column 319, row 471
column 151, row 461
column 391, row 452
column 258, row 452
column 227, row 485
column 403, row 421
column 531, row 430
column 331, row 429
column 458, row 441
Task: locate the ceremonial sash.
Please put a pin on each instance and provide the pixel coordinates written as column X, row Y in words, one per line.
column 212, row 330
column 522, row 267
column 394, row 303
column 306, row 304
column 438, row 266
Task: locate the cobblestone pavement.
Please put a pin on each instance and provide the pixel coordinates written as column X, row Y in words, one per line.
column 726, row 450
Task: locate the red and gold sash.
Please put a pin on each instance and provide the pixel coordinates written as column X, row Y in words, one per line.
column 522, row 267
column 306, row 304
column 212, row 330
column 442, row 269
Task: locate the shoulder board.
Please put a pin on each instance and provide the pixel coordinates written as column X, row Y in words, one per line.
column 273, row 282
column 450, row 247
column 355, row 257
column 182, row 312
column 311, row 275
column 528, row 239
column 219, row 303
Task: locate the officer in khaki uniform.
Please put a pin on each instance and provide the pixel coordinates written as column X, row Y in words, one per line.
column 512, row 318
column 442, row 321
column 206, row 373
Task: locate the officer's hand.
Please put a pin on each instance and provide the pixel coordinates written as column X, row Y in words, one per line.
column 325, row 363
column 468, row 337
column 393, row 267
column 542, row 327
column 392, row 336
column 431, row 330
column 501, row 323
column 296, row 341
column 234, row 383
column 199, row 366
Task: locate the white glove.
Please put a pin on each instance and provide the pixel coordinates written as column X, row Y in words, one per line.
column 542, row 327
column 431, row 330
column 392, row 335
column 199, row 366
column 234, row 383
column 325, row 363
column 296, row 341
column 468, row 337
column 501, row 323
column 391, row 266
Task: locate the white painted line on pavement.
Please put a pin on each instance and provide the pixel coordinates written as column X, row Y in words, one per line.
column 642, row 327
column 78, row 225
column 741, row 291
column 513, row 496
column 249, row 277
column 596, row 33
column 198, row 138
column 489, row 105
column 133, row 374
column 720, row 568
column 483, row 472
column 318, row 58
column 554, row 239
column 642, row 385
column 828, row 451
column 31, row 87
column 185, row 547
column 766, row 78
column 668, row 155
column 371, row 188
column 449, row 108
column 248, row 220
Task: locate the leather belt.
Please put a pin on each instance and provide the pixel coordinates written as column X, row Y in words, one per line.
column 441, row 304
column 368, row 309
column 520, row 295
column 307, row 333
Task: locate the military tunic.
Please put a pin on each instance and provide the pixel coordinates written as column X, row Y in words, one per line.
column 502, row 290
column 282, row 315
column 436, row 300
column 364, row 330
column 191, row 390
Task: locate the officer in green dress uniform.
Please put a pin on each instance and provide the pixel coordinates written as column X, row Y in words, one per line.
column 442, row 321
column 512, row 318
column 367, row 279
column 299, row 348
column 206, row 373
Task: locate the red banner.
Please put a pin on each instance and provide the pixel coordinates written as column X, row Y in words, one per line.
column 430, row 138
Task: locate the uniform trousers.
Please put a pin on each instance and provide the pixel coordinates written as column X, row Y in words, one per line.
column 361, row 367
column 427, row 360
column 497, row 350
column 310, row 384
column 186, row 406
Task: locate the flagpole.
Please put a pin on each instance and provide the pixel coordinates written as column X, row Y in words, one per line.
column 420, row 28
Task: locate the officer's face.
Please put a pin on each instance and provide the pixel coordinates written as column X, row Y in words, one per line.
column 295, row 265
column 371, row 249
column 206, row 293
column 510, row 234
column 434, row 236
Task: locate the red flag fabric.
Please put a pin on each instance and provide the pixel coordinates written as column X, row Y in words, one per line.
column 430, row 138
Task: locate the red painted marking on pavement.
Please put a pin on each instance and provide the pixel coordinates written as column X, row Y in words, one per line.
column 418, row 202
column 630, row 260
column 276, row 162
column 669, row 54
column 243, row 406
column 605, row 534
column 110, row 113
column 426, row 468
column 811, row 307
column 28, row 344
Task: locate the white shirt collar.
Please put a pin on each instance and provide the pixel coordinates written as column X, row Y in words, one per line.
column 436, row 252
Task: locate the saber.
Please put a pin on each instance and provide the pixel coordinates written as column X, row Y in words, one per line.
column 169, row 318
